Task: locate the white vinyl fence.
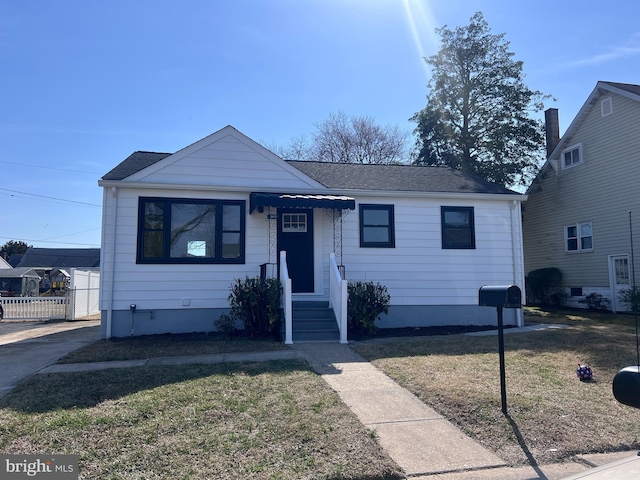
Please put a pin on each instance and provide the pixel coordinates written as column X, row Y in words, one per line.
column 81, row 300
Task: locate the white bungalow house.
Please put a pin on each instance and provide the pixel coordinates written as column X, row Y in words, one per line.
column 179, row 228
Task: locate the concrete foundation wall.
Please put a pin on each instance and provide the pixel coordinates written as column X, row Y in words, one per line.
column 150, row 322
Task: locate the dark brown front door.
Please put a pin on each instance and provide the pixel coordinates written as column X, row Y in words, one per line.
column 295, row 236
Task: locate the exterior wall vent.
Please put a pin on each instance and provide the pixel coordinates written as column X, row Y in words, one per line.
column 606, row 106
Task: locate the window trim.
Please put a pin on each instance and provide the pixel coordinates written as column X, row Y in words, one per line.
column 166, row 232
column 578, row 238
column 472, row 228
column 577, row 146
column 391, row 227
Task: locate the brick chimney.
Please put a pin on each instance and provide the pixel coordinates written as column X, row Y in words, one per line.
column 552, row 127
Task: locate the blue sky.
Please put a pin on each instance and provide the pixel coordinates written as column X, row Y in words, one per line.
column 83, row 84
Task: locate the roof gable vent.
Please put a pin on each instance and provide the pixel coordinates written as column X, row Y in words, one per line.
column 606, row 107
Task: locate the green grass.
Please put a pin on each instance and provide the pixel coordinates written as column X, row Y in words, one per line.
column 556, row 415
column 275, row 420
column 148, row 346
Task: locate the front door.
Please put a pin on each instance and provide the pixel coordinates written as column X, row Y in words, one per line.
column 620, row 279
column 295, row 236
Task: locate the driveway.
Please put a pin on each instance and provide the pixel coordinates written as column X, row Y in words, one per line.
column 27, row 347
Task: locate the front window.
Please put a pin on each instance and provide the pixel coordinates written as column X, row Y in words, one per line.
column 377, row 226
column 190, row 231
column 572, row 156
column 458, row 230
column 579, row 237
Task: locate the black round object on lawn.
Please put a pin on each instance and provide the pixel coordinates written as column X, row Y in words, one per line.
column 626, row 386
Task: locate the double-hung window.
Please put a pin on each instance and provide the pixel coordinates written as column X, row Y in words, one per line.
column 458, row 230
column 173, row 230
column 579, row 237
column 376, row 226
column 572, row 156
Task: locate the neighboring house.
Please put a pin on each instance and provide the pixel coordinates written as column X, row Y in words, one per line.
column 179, row 228
column 67, row 258
column 4, row 264
column 585, row 198
column 19, row 282
column 54, row 264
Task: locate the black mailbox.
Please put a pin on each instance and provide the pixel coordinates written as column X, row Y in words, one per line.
column 507, row 296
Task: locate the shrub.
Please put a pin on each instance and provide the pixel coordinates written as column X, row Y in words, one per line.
column 367, row 301
column 557, row 297
column 226, row 325
column 630, row 296
column 543, row 286
column 256, row 303
column 595, row 301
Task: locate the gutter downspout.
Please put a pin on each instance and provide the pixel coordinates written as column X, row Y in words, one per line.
column 112, row 263
column 518, row 252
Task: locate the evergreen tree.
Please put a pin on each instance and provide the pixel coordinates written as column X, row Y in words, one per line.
column 478, row 113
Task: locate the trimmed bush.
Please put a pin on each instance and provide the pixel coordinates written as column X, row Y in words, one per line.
column 256, row 303
column 544, row 286
column 595, row 301
column 367, row 301
column 631, row 297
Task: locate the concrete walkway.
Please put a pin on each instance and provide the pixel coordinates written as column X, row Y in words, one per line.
column 415, row 436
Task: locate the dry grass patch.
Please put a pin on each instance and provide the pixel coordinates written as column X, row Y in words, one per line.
column 557, row 415
column 275, row 420
column 148, row 346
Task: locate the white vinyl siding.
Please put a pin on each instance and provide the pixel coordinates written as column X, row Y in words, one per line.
column 227, row 162
column 416, row 272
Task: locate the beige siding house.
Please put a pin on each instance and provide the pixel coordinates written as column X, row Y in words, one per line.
column 585, row 202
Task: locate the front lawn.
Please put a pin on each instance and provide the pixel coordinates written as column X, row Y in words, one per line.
column 275, row 420
column 148, row 346
column 555, row 415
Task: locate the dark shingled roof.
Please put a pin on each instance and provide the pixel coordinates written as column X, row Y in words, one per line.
column 353, row 176
column 628, row 87
column 18, row 272
column 60, row 258
column 407, row 178
column 133, row 164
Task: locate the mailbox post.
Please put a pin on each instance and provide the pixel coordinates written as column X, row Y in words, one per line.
column 501, row 296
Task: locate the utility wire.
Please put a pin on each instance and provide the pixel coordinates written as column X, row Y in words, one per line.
column 26, row 240
column 49, row 168
column 52, row 198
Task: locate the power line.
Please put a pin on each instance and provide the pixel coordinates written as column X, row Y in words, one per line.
column 26, row 240
column 52, row 198
column 48, row 168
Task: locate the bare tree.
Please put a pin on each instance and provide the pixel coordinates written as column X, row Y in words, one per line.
column 343, row 139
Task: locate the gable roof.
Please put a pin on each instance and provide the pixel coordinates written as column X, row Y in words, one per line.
column 134, row 163
column 602, row 88
column 60, row 258
column 628, row 90
column 18, row 272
